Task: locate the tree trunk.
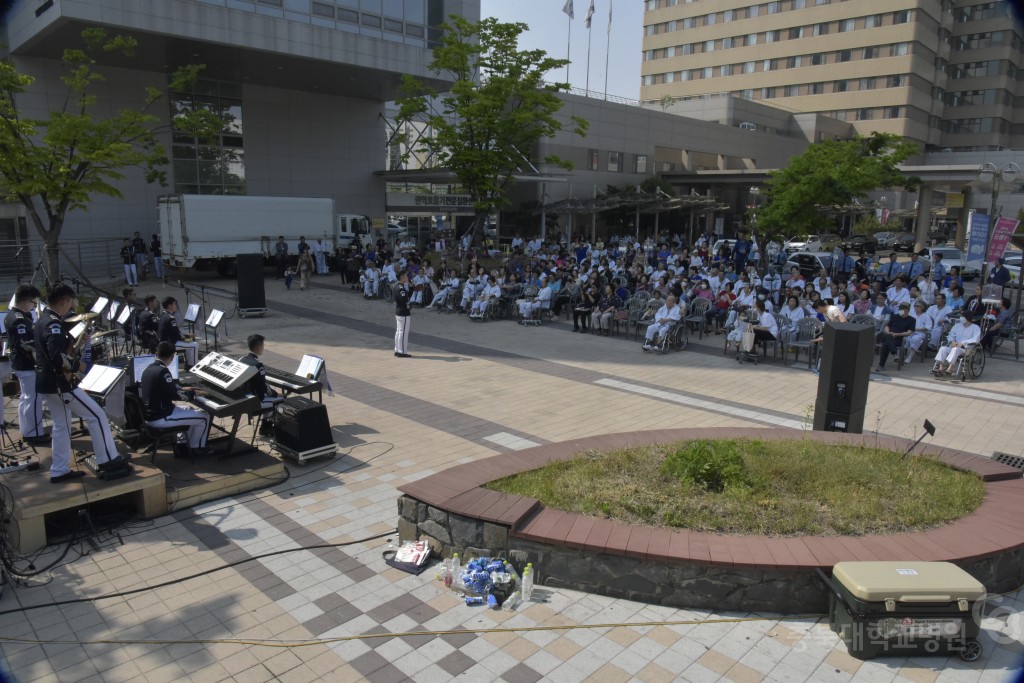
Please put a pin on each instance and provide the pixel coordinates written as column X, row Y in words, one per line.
column 476, row 228
column 51, row 262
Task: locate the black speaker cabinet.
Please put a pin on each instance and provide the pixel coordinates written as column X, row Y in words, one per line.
column 302, row 425
column 251, row 291
column 843, row 383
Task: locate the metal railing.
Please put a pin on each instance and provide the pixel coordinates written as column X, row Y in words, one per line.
column 97, row 258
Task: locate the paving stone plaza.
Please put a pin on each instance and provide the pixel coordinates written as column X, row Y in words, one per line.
column 470, row 391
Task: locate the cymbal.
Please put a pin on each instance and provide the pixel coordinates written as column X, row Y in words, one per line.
column 104, row 333
column 82, row 317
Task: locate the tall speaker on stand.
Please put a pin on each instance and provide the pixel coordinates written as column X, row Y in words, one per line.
column 252, row 294
column 843, row 382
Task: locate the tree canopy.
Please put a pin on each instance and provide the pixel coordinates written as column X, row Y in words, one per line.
column 56, row 164
column 832, row 173
column 499, row 106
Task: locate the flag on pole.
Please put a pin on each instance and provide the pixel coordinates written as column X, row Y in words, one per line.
column 567, row 8
column 610, row 16
column 590, row 13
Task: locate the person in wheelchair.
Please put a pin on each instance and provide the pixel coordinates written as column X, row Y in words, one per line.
column 667, row 317
column 962, row 336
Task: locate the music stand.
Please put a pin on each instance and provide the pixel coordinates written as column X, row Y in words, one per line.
column 106, row 384
column 126, row 313
column 191, row 316
column 212, row 322
column 99, row 305
column 311, row 367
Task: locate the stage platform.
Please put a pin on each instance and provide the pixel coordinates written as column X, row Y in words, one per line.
column 152, row 490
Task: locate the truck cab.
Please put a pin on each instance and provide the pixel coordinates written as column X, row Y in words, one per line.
column 350, row 227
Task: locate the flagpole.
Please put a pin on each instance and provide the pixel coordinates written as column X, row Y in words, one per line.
column 589, row 34
column 568, row 52
column 607, row 48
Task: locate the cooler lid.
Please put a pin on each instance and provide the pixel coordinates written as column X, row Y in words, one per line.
column 907, row 581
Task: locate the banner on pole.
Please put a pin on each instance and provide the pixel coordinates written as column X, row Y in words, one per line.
column 567, row 8
column 978, row 226
column 1005, row 227
column 590, row 14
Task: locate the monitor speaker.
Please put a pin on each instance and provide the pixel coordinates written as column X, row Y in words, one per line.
column 302, row 425
column 251, row 290
column 847, row 353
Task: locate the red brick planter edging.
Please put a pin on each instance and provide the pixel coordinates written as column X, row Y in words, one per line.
column 984, row 540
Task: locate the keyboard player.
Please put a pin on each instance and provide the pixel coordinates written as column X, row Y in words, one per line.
column 258, row 384
column 159, row 391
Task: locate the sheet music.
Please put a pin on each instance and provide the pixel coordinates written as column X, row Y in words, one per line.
column 77, row 330
column 192, row 314
column 100, row 304
column 215, row 318
column 310, row 366
column 112, row 311
column 125, row 312
column 100, row 379
column 140, row 363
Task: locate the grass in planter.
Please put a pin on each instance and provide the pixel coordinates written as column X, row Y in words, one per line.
column 755, row 487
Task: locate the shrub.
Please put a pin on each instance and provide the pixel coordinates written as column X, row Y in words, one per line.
column 711, row 465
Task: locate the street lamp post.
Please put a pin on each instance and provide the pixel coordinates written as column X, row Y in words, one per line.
column 989, row 174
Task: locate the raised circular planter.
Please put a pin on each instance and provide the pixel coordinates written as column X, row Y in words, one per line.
column 453, row 511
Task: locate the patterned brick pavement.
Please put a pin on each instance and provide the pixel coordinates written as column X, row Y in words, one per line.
column 471, row 391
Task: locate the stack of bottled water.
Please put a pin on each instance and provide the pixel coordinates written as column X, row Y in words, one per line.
column 485, row 580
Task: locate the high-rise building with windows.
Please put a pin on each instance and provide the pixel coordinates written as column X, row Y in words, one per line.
column 942, row 73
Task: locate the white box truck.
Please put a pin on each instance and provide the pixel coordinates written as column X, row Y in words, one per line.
column 203, row 231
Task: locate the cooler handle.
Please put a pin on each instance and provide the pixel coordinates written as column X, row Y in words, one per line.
column 926, row 598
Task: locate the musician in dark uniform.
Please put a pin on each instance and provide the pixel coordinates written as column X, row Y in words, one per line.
column 402, row 315
column 148, row 324
column 168, row 331
column 56, row 364
column 18, row 324
column 159, row 391
column 258, row 384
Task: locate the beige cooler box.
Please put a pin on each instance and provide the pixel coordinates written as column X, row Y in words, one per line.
column 905, row 608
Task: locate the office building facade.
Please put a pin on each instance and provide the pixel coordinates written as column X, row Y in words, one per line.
column 941, row 73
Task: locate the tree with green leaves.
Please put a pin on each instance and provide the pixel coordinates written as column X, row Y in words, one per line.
column 498, row 108
column 832, row 173
column 56, row 164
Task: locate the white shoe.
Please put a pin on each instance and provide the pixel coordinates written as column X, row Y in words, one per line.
column 647, row 347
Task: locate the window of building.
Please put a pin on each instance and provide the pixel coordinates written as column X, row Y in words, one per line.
column 818, row 58
column 667, row 167
column 648, row 79
column 863, row 114
column 708, row 72
column 709, row 20
column 728, row 15
column 749, row 67
column 867, row 83
column 792, row 90
column 371, row 20
column 770, row 65
column 772, row 36
column 727, row 43
column 794, row 62
column 751, row 39
column 873, row 21
column 839, row 86
column 870, row 52
column 688, row 22
column 670, row 51
column 687, row 49
column 392, row 25
column 847, row 25
column 900, row 49
column 773, row 7
column 821, row 2
column 669, row 77
column 595, row 159
column 767, row 93
column 684, row 75
column 753, row 11
column 640, row 163
column 845, row 55
column 897, row 80
column 820, row 29
column 348, row 15
column 322, row 10
column 614, row 162
column 799, row 4
column 725, row 70
column 747, row 94
column 275, row 3
column 816, row 88
column 901, row 17
column 796, row 32
column 216, row 166
column 709, row 46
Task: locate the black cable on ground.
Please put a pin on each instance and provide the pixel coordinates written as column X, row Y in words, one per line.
column 171, row 582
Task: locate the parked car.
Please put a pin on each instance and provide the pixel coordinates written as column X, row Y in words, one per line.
column 810, row 263
column 803, row 243
column 950, row 257
column 856, row 243
column 829, row 241
column 1013, row 259
column 885, row 239
column 905, row 241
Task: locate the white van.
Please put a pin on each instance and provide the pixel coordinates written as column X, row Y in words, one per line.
column 351, row 226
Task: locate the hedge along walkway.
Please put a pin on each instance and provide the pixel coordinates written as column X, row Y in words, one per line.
column 989, row 530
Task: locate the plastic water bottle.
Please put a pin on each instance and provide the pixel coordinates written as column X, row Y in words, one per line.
column 509, row 569
column 474, row 600
column 492, row 601
column 528, row 582
column 512, row 601
column 457, row 583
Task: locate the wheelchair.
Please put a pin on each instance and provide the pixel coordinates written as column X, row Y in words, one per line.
column 969, row 366
column 675, row 339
